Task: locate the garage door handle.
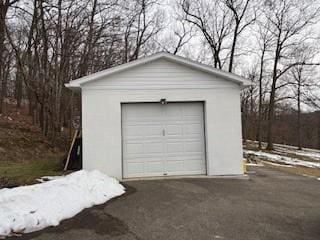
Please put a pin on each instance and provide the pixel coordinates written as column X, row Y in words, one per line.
column 163, row 132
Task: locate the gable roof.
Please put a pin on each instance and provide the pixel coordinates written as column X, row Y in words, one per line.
column 77, row 83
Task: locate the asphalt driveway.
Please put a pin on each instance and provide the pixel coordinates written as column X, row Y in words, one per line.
column 271, row 205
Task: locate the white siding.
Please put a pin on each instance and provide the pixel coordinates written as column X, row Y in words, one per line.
column 101, row 113
column 160, row 74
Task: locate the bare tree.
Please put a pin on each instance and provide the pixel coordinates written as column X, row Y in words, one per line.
column 239, row 9
column 264, row 41
column 302, row 82
column 143, row 23
column 4, row 7
column 214, row 21
column 289, row 20
column 180, row 37
column 56, row 41
column 248, row 106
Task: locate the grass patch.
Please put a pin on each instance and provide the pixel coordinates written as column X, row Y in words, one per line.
column 27, row 173
column 314, row 172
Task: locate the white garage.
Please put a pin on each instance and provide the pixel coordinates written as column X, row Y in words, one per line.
column 161, row 115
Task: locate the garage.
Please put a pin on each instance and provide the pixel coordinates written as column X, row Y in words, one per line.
column 159, row 116
column 163, row 139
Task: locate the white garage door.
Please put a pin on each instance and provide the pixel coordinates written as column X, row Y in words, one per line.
column 161, row 140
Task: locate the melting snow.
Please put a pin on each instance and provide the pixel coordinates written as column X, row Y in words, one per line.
column 283, row 159
column 277, row 164
column 31, row 208
column 281, row 148
column 255, row 164
column 305, row 152
column 48, row 178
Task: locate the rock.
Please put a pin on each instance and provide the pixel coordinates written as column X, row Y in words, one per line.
column 7, row 183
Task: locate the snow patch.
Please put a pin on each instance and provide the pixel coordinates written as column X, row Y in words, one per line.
column 48, row 178
column 277, row 164
column 255, row 164
column 31, row 208
column 282, row 159
column 281, row 148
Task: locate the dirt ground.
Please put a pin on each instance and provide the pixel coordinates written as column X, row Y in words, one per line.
column 25, row 154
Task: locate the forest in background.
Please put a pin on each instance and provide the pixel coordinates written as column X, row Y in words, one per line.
column 273, row 43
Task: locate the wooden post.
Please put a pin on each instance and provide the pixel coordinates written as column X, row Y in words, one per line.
column 69, row 153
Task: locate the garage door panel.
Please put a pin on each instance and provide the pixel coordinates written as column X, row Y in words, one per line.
column 135, row 168
column 195, row 165
column 153, row 130
column 163, row 139
column 175, row 147
column 133, row 131
column 194, row 147
column 193, row 129
column 174, row 166
column 192, row 110
column 134, row 148
column 155, row 167
column 139, row 167
column 173, row 112
column 154, row 147
column 173, row 129
column 139, row 111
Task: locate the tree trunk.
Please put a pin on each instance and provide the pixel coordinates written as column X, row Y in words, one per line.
column 272, row 96
column 318, row 129
column 244, row 131
column 299, row 115
column 271, row 116
column 18, row 87
column 260, row 100
column 233, row 47
column 3, row 13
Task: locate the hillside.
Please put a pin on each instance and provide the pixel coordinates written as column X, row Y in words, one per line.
column 25, row 154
